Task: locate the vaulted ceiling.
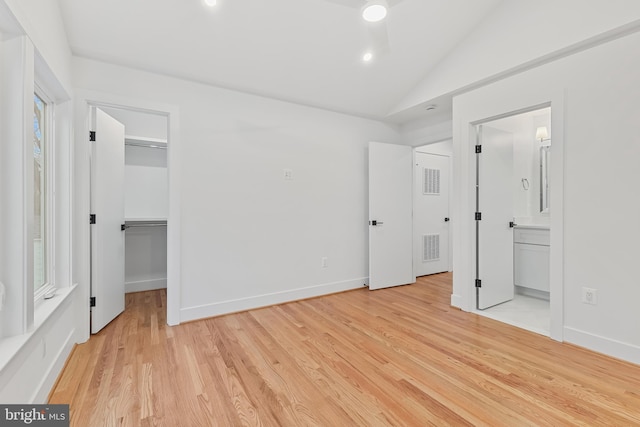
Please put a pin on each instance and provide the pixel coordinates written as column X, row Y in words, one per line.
column 304, row 51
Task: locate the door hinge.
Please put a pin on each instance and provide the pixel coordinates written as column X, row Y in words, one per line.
column 92, row 218
column 512, row 224
column 478, row 149
column 478, row 283
column 92, row 135
column 478, row 216
column 92, row 302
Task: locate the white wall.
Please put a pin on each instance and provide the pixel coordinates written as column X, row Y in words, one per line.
column 444, row 148
column 146, row 183
column 519, row 33
column 141, row 124
column 42, row 22
column 594, row 227
column 427, row 131
column 248, row 236
column 526, row 163
column 146, row 197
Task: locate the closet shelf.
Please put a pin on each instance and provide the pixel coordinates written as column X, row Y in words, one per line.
column 143, row 141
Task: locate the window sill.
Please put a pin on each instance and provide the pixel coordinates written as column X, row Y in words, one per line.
column 11, row 346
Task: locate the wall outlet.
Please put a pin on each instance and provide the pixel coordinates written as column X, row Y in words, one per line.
column 288, row 174
column 589, row 296
column 325, row 262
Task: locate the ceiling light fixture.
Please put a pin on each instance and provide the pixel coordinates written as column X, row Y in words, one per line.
column 367, row 57
column 374, row 10
column 210, row 3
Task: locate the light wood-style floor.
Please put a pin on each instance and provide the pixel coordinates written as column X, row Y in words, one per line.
column 399, row 357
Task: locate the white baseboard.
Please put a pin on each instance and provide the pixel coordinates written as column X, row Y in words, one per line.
column 46, row 385
column 456, row 301
column 242, row 304
column 610, row 347
column 145, row 285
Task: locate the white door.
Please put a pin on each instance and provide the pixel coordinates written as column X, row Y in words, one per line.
column 495, row 236
column 431, row 214
column 107, row 204
column 390, row 215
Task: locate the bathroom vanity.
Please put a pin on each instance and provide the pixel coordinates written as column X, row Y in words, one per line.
column 531, row 259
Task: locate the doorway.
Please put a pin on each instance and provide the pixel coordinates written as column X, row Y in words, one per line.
column 432, row 245
column 513, row 218
column 138, row 197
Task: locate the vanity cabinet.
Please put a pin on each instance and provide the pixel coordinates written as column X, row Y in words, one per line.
column 531, row 258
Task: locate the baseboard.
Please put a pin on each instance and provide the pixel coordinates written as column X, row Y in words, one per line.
column 43, row 390
column 456, row 301
column 242, row 304
column 145, row 285
column 534, row 293
column 610, row 347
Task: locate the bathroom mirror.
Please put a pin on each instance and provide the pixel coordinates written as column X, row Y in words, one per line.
column 545, row 161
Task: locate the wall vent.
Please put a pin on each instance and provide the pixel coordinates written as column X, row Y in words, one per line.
column 431, row 184
column 430, row 247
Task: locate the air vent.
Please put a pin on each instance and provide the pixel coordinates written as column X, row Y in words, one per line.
column 430, row 247
column 431, row 183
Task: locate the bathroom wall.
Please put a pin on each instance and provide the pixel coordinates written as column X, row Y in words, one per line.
column 526, row 163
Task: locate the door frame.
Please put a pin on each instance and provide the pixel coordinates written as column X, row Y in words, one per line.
column 477, row 110
column 82, row 195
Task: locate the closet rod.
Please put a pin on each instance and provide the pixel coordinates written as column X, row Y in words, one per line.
column 159, row 146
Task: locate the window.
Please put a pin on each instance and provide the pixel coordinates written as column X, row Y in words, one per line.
column 40, row 208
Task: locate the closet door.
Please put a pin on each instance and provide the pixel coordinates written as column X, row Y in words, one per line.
column 107, row 236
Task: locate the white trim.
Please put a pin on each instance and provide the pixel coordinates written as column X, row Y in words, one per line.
column 606, row 346
column 242, row 304
column 49, row 147
column 456, row 301
column 85, row 99
column 45, row 386
column 11, row 346
column 145, row 285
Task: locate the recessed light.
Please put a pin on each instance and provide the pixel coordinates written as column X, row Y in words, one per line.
column 210, row 3
column 374, row 11
column 367, row 57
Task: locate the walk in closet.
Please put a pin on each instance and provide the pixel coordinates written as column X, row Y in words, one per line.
column 145, row 199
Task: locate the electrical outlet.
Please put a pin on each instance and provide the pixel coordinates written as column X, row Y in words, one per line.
column 589, row 296
column 288, row 174
column 325, row 262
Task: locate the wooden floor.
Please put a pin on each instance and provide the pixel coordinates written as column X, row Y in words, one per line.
column 398, row 357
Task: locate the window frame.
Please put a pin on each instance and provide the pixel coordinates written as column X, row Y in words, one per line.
column 49, row 199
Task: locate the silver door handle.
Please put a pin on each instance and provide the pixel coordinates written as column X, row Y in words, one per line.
column 375, row 223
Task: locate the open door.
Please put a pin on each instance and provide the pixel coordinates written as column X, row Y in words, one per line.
column 390, row 215
column 495, row 204
column 107, row 235
column 431, row 215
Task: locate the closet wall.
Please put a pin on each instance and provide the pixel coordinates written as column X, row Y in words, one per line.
column 145, row 199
